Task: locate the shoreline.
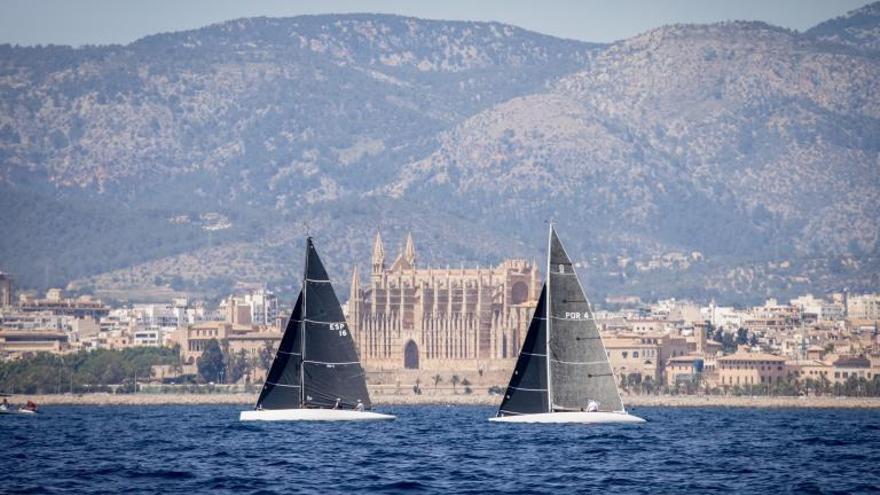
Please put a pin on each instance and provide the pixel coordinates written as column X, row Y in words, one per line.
column 380, row 400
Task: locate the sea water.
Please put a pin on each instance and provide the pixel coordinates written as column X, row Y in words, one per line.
column 197, row 449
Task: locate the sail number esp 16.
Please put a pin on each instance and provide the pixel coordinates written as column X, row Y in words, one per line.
column 339, row 327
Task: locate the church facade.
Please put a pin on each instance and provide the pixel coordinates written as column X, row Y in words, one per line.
column 405, row 317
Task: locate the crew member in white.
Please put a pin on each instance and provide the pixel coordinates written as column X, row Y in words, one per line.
column 592, row 406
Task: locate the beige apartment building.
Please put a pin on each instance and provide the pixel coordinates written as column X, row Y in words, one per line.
column 14, row 342
column 685, row 368
column 749, row 368
column 651, row 354
column 250, row 338
column 636, row 354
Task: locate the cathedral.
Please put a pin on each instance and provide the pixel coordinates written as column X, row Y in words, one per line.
column 413, row 318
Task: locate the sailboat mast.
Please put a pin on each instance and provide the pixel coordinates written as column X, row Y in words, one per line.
column 547, row 324
column 302, row 327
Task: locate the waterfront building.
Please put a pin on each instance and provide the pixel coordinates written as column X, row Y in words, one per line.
column 684, row 368
column 408, row 318
column 632, row 354
column 749, row 368
column 192, row 339
column 15, row 342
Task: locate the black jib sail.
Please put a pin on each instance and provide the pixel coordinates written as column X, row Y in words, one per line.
column 527, row 391
column 579, row 368
column 317, row 363
column 283, row 388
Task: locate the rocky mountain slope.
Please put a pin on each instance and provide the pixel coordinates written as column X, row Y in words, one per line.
column 768, row 136
column 858, row 29
column 745, row 153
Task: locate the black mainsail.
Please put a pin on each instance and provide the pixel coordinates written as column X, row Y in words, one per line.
column 317, row 364
column 563, row 364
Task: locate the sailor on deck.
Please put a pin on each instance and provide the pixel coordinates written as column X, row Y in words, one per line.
column 592, row 406
column 359, row 407
column 338, row 402
column 5, row 405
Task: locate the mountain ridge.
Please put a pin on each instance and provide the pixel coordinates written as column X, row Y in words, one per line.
column 685, row 138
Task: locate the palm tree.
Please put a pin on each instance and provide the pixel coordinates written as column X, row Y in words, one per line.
column 455, row 379
column 467, row 386
column 437, row 379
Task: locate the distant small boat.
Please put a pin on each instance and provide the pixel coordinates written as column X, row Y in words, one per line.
column 316, row 374
column 31, row 408
column 563, row 374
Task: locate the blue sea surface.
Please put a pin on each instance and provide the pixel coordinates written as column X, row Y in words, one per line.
column 196, row 449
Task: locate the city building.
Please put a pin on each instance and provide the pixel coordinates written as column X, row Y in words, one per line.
column 258, row 307
column 55, row 303
column 192, row 339
column 863, row 306
column 6, row 293
column 15, row 342
column 749, row 368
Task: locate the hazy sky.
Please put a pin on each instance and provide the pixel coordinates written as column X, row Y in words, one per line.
column 71, row 22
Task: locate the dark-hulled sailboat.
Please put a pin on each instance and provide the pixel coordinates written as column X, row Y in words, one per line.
column 562, row 374
column 316, row 374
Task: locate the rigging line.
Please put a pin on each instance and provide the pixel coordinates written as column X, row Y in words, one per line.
column 318, row 281
column 290, row 353
column 323, row 322
column 528, row 389
column 585, row 363
column 570, row 319
column 283, row 385
column 532, row 354
column 325, row 362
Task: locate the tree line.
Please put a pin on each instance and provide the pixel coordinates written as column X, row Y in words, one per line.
column 786, row 386
column 117, row 371
column 100, row 370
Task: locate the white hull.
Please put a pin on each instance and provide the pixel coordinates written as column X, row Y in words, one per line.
column 17, row 411
column 572, row 417
column 313, row 415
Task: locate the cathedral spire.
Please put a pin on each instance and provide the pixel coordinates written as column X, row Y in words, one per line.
column 354, row 297
column 355, row 280
column 409, row 252
column 378, row 254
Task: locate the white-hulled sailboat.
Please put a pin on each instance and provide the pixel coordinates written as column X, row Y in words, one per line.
column 316, row 374
column 562, row 374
